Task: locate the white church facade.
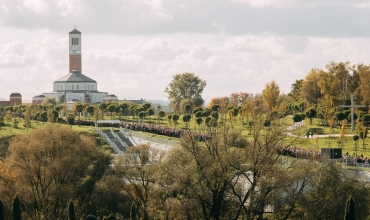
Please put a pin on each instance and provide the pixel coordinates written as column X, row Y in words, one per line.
column 75, row 87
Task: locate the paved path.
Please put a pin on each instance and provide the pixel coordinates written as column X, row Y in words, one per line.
column 298, row 125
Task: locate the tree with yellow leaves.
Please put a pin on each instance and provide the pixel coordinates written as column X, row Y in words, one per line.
column 270, row 95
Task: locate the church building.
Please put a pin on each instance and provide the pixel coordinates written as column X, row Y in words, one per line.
column 75, row 86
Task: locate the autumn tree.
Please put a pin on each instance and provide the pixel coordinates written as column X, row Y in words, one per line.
column 270, row 95
column 295, row 92
column 364, row 88
column 46, row 173
column 184, row 86
column 137, row 167
column 310, row 90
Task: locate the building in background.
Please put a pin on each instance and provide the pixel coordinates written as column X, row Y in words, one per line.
column 75, row 86
column 14, row 99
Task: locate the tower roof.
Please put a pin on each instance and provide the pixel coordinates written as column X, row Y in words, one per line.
column 75, row 31
column 15, row 94
column 75, row 76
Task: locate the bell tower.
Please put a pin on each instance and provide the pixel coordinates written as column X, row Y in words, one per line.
column 75, row 50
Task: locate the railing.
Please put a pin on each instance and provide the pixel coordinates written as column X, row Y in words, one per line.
column 353, row 162
column 122, row 130
column 149, row 138
column 118, row 138
column 110, row 142
column 127, row 134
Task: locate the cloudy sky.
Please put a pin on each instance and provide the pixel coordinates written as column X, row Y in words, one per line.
column 132, row 48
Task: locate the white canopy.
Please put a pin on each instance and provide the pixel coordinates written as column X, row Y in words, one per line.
column 108, row 121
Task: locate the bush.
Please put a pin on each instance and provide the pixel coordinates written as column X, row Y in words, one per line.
column 71, row 119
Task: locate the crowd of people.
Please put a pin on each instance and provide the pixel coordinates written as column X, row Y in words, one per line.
column 355, row 160
column 294, row 151
column 162, row 130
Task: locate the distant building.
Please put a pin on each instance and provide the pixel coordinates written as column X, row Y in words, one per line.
column 75, row 86
column 14, row 99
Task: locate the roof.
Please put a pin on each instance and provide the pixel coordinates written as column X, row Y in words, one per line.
column 108, row 121
column 75, row 76
column 15, row 94
column 75, row 32
column 110, row 95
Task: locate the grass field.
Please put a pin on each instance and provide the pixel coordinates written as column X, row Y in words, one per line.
column 347, row 143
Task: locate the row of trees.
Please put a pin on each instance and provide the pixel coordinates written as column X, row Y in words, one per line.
column 334, row 84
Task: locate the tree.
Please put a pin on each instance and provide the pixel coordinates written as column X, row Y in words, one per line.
column 108, row 196
column 310, row 90
column 133, row 215
column 17, row 212
column 1, row 121
column 103, row 108
column 297, row 117
column 137, row 167
column 71, row 119
column 350, row 213
column 111, row 108
column 44, row 116
column 175, row 117
column 48, row 101
column 91, row 217
column 90, row 109
column 47, row 174
column 71, row 211
column 295, row 92
column 96, row 115
column 8, row 118
column 365, row 119
column 186, row 118
column 320, row 203
column 150, row 111
column 184, row 86
column 270, row 95
column 311, row 113
column 161, row 114
column 2, row 210
column 363, row 72
column 78, row 107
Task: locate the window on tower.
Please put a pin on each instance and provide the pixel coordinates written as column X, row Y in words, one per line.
column 75, row 41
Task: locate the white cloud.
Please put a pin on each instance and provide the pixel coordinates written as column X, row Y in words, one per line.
column 302, row 3
column 38, row 6
column 69, row 7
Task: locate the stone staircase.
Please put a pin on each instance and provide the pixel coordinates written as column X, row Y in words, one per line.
column 115, row 140
column 125, row 140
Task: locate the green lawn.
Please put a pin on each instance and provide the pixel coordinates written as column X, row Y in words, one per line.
column 308, row 143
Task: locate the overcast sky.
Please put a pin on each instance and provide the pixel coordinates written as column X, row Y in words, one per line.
column 132, row 48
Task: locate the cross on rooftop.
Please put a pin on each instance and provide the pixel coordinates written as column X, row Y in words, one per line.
column 352, row 106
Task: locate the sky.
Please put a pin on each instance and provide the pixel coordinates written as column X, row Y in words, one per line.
column 133, row 48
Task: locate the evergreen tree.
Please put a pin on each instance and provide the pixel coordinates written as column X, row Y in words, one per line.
column 350, row 213
column 1, row 210
column 110, row 217
column 71, row 211
column 91, row 217
column 16, row 209
column 133, row 212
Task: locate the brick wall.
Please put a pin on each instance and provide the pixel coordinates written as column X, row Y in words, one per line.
column 75, row 63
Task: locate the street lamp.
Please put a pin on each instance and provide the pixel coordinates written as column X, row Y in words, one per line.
column 120, row 114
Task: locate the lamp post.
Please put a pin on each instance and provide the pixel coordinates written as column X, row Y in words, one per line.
column 120, row 114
